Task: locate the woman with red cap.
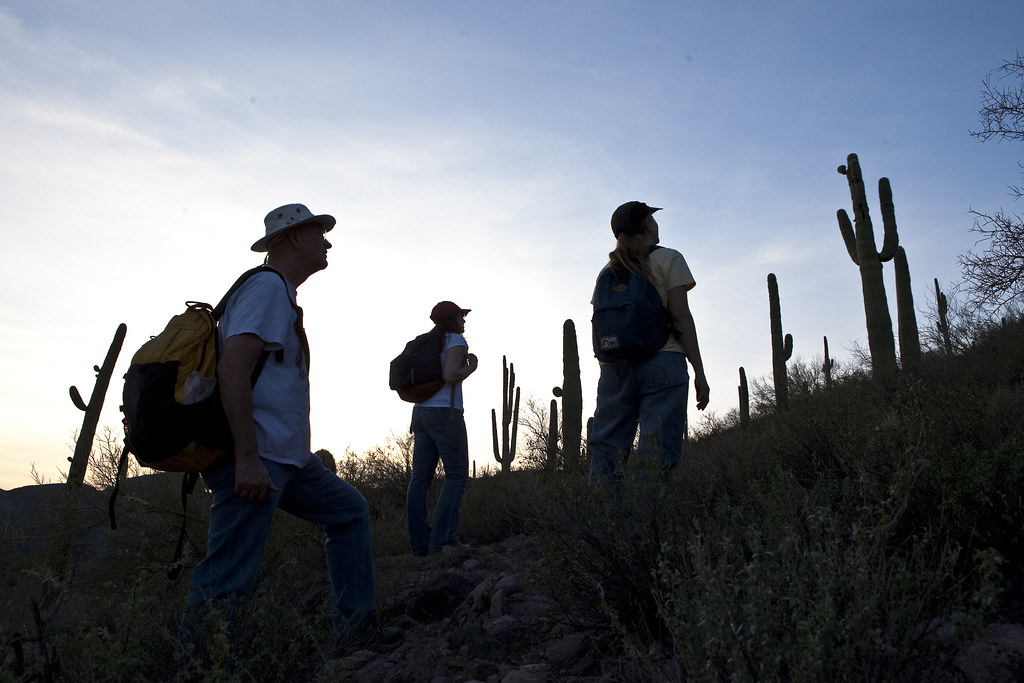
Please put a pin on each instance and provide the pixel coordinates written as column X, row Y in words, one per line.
column 439, row 432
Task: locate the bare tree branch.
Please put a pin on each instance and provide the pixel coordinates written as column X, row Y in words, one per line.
column 994, row 270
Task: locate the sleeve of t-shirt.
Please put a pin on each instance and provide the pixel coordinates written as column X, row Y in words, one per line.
column 454, row 339
column 261, row 307
column 678, row 273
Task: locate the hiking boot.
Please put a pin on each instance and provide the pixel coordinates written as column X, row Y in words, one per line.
column 373, row 637
column 456, row 549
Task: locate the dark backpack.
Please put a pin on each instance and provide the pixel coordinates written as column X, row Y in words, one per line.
column 416, row 372
column 630, row 322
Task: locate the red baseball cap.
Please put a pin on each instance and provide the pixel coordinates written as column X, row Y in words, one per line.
column 444, row 309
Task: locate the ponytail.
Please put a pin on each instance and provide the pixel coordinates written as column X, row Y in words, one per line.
column 630, row 255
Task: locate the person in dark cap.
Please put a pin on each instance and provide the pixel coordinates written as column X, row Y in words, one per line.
column 439, row 433
column 652, row 393
column 272, row 465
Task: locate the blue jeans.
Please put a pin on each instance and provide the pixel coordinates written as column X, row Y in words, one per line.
column 438, row 434
column 239, row 530
column 651, row 395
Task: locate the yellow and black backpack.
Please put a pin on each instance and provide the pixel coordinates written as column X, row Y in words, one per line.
column 173, row 417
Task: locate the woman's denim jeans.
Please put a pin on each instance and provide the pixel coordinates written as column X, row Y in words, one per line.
column 239, row 530
column 440, row 434
column 651, row 394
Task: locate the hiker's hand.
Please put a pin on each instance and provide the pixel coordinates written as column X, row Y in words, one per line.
column 700, row 383
column 252, row 481
column 471, row 361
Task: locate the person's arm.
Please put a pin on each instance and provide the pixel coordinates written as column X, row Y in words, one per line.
column 682, row 321
column 237, row 360
column 458, row 365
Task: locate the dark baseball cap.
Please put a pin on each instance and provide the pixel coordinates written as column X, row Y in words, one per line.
column 630, row 216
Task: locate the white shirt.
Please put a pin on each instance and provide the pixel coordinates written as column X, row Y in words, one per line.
column 280, row 398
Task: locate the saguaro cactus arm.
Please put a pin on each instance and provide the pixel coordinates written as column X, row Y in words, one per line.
column 552, row 444
column 906, row 316
column 860, row 240
column 849, row 236
column 890, row 235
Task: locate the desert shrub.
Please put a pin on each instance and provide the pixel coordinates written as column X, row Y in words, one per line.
column 858, row 536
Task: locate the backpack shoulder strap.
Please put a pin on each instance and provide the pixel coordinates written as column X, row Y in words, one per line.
column 673, row 330
column 221, row 306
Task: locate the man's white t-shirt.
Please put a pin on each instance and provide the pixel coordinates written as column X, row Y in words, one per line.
column 280, row 398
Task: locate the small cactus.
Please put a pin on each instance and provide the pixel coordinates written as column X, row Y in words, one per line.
column 571, row 393
column 509, row 418
column 860, row 244
column 744, row 399
column 826, row 367
column 551, row 462
column 943, row 324
column 782, row 346
column 590, row 433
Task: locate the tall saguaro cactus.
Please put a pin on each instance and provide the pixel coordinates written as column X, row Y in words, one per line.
column 509, row 417
column 80, row 460
column 860, row 244
column 782, row 346
column 571, row 393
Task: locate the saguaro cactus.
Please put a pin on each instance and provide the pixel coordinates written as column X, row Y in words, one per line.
column 509, row 417
column 571, row 393
column 744, row 399
column 910, row 339
column 782, row 346
column 860, row 244
column 943, row 323
column 80, row 460
column 827, row 365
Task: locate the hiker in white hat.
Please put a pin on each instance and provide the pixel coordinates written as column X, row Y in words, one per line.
column 273, row 466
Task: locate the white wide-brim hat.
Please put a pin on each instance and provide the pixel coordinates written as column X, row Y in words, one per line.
column 287, row 217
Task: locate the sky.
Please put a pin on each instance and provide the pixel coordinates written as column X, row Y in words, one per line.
column 471, row 151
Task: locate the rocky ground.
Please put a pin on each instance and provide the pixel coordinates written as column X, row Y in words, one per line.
column 475, row 614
